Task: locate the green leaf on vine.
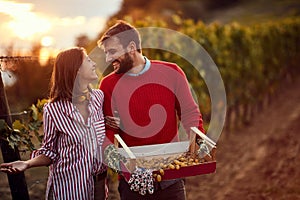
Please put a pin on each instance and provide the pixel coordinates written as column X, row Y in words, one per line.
column 35, row 112
column 20, row 133
column 18, row 125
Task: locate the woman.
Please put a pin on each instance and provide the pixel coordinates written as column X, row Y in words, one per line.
column 74, row 130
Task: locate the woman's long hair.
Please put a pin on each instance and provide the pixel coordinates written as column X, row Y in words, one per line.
column 64, row 73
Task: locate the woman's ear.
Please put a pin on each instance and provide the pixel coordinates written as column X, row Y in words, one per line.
column 79, row 70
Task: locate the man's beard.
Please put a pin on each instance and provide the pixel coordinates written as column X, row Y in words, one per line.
column 126, row 64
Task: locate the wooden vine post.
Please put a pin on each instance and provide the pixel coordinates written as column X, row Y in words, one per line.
column 17, row 182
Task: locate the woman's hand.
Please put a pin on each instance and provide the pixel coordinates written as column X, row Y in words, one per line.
column 14, row 167
column 113, row 122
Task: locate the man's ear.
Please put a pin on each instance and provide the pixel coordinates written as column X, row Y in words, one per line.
column 131, row 48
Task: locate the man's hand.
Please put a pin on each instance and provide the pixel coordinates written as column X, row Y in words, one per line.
column 14, row 167
column 113, row 122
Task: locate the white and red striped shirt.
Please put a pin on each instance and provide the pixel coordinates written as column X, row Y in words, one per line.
column 75, row 147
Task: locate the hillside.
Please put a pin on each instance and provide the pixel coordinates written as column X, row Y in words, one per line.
column 256, row 11
column 223, row 11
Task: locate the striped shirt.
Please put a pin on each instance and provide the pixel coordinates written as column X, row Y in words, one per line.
column 74, row 146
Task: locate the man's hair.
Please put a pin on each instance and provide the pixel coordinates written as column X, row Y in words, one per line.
column 66, row 66
column 125, row 32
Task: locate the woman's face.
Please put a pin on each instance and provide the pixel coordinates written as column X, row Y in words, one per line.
column 87, row 70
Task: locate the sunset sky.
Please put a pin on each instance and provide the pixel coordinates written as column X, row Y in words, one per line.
column 54, row 23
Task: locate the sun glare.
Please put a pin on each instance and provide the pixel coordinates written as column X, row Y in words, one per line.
column 24, row 23
column 44, row 56
column 47, row 41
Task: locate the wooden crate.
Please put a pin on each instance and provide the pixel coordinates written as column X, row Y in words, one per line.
column 167, row 151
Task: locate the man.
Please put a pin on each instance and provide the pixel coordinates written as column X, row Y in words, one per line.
column 148, row 96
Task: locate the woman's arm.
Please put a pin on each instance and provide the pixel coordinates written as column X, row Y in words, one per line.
column 19, row 166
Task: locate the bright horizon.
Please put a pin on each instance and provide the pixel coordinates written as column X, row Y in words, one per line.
column 53, row 24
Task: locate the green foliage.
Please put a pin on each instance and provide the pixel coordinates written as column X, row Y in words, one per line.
column 24, row 132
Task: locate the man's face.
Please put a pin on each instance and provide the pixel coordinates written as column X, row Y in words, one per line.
column 117, row 55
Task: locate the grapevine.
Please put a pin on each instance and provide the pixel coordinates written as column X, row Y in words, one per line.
column 24, row 132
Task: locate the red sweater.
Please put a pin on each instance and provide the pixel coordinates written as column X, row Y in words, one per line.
column 149, row 103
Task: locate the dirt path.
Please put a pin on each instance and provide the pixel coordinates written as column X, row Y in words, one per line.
column 260, row 161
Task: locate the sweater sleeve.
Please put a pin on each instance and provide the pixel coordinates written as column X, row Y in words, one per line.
column 107, row 109
column 187, row 109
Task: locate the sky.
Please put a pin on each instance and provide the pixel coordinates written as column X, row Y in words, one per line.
column 53, row 23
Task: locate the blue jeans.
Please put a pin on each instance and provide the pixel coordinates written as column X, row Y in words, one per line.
column 175, row 191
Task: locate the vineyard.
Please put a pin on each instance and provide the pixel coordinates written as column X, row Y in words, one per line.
column 253, row 61
column 256, row 63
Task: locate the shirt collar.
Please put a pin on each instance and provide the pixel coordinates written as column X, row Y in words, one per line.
column 69, row 108
column 146, row 68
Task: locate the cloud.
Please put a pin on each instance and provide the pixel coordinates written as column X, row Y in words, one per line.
column 23, row 23
column 11, row 7
column 69, row 28
column 73, row 8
